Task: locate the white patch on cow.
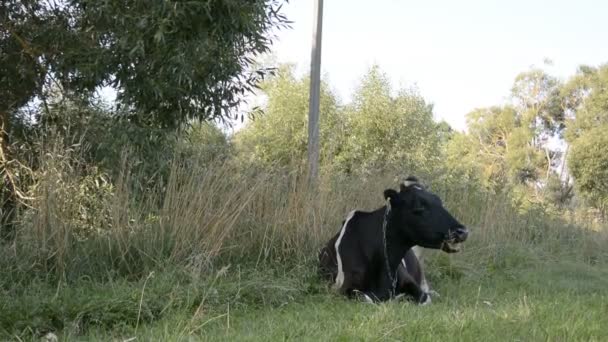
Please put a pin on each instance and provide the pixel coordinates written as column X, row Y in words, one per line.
column 364, row 297
column 340, row 276
column 407, row 183
column 424, row 285
column 50, row 337
column 403, row 263
column 399, row 296
column 417, row 252
column 367, row 298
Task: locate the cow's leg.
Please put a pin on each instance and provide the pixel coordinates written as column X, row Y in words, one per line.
column 362, row 296
column 424, row 285
column 413, row 262
column 408, row 286
column 379, row 282
column 354, row 286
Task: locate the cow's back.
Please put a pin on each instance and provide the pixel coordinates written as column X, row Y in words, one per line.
column 357, row 242
column 328, row 259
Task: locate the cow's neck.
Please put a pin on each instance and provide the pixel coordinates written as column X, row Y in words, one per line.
column 396, row 246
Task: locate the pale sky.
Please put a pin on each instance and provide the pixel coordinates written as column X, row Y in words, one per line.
column 460, row 54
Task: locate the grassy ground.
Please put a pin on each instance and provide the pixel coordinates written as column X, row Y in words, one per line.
column 237, row 262
column 516, row 294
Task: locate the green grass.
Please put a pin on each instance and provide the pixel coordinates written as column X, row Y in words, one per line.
column 210, row 259
column 517, row 294
column 507, row 316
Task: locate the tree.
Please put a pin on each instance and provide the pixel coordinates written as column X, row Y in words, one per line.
column 169, row 61
column 204, row 142
column 537, row 99
column 445, row 132
column 508, row 145
column 462, row 160
column 483, row 151
column 27, row 29
column 386, row 131
column 587, row 99
column 279, row 137
column 378, row 131
column 589, row 166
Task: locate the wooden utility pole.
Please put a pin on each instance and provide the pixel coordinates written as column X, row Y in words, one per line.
column 315, row 89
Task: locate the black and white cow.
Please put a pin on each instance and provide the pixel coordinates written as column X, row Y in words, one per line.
column 373, row 256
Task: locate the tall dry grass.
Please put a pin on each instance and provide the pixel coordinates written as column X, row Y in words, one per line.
column 222, row 212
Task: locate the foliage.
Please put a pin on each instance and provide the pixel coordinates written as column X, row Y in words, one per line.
column 386, row 131
column 125, row 221
column 169, row 62
column 559, row 192
column 507, row 147
column 222, row 247
column 587, row 100
column 500, row 295
column 203, row 143
column 280, row 136
column 83, row 198
column 537, row 97
column 246, row 242
column 104, row 137
column 485, row 146
column 587, row 95
column 589, row 165
column 378, row 131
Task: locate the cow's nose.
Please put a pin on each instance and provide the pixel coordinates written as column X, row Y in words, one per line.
column 461, row 234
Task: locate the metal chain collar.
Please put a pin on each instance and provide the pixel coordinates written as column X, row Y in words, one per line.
column 392, row 278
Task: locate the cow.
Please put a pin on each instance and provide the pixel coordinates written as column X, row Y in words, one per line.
column 373, row 255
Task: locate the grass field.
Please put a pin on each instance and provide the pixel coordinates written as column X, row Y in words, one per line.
column 515, row 295
column 239, row 263
column 557, row 302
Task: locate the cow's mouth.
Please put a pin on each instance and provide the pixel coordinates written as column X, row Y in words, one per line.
column 452, row 243
column 450, row 246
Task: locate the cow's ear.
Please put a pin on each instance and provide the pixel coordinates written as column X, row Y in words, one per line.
column 411, row 182
column 403, row 187
column 391, row 194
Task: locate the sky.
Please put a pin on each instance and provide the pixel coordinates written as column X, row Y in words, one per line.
column 460, row 54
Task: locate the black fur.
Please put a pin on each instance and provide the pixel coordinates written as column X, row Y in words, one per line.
column 416, row 217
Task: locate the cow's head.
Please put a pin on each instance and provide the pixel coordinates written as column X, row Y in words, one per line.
column 420, row 218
